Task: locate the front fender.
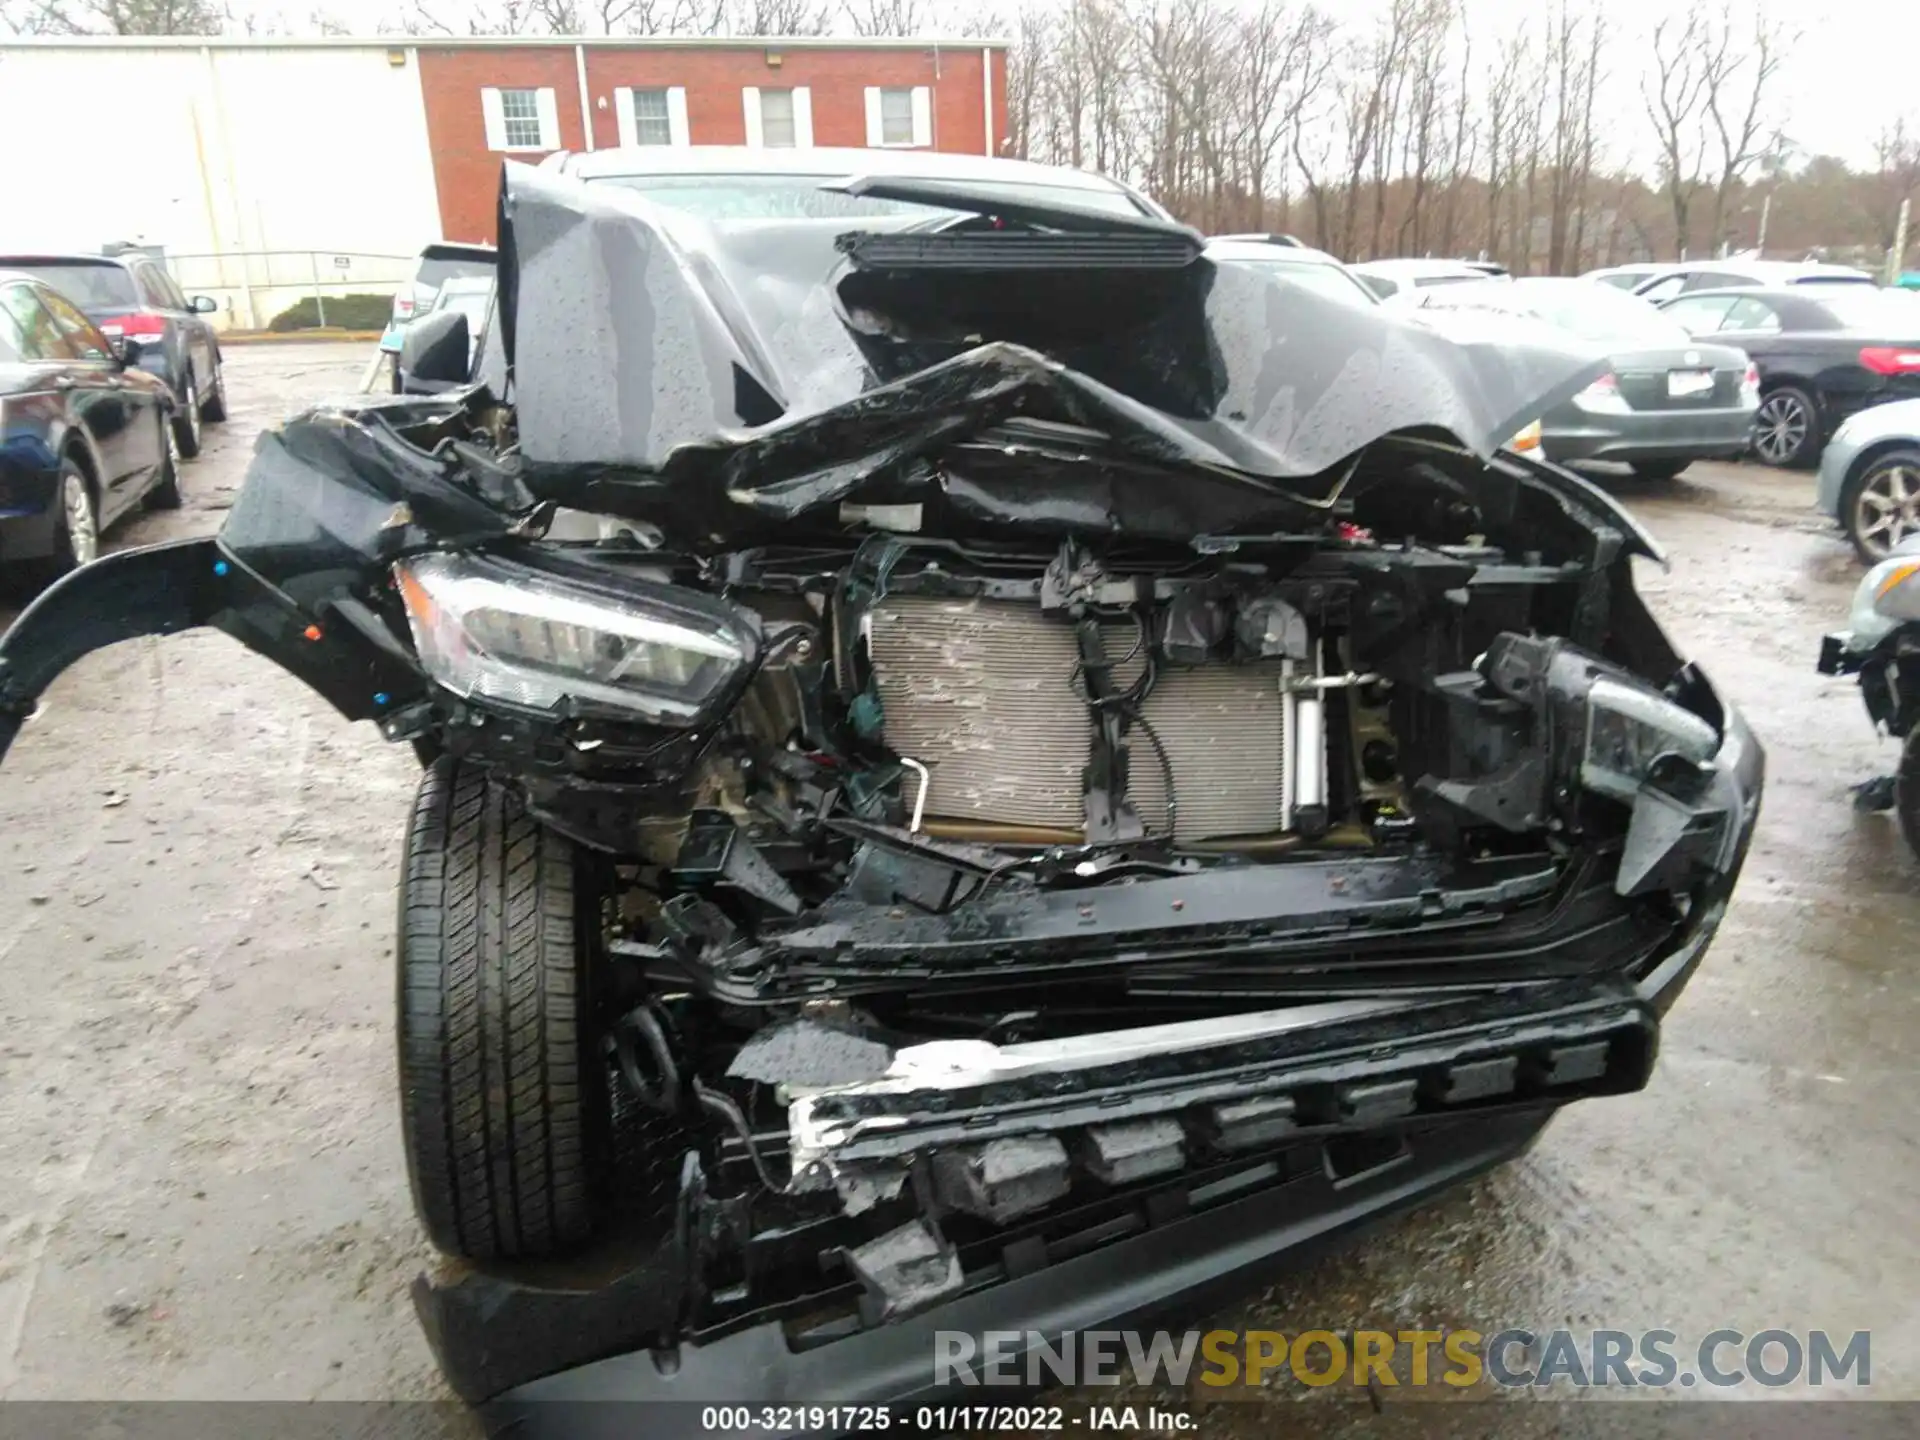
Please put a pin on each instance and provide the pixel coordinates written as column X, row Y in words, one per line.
column 165, row 589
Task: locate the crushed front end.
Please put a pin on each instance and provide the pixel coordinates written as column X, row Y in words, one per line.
column 1021, row 843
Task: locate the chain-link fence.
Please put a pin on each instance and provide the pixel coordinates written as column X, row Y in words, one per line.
column 294, row 290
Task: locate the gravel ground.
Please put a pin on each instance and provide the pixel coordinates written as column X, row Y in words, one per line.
column 202, row 1194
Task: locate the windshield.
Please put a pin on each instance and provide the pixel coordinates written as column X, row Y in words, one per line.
column 470, row 300
column 799, row 197
column 1329, row 280
column 91, row 287
column 1594, row 312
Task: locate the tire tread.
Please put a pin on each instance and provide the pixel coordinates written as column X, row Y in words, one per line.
column 495, row 1077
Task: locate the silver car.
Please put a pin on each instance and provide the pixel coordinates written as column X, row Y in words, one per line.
column 1870, row 478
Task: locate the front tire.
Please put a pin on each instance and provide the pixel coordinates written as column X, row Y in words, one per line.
column 186, row 420
column 1906, row 790
column 76, row 529
column 502, row 1092
column 1786, row 429
column 1660, row 469
column 1880, row 505
column 214, row 409
column 165, row 494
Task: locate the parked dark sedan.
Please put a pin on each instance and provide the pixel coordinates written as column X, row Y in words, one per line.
column 134, row 300
column 1667, row 400
column 84, row 434
column 1824, row 353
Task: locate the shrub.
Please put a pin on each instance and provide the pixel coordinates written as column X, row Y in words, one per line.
column 344, row 312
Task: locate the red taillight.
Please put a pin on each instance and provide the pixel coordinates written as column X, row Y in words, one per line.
column 146, row 329
column 402, row 307
column 1891, row 359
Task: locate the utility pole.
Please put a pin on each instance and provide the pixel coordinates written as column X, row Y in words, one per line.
column 1766, row 209
column 1897, row 258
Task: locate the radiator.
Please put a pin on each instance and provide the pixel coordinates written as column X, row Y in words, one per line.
column 982, row 693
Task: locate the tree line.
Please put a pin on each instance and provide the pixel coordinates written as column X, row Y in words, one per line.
column 1406, row 129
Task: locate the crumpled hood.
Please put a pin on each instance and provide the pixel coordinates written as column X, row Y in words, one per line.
column 649, row 347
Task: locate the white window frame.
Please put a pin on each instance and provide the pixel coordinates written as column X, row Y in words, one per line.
column 677, row 134
column 546, row 111
column 802, row 116
column 922, row 118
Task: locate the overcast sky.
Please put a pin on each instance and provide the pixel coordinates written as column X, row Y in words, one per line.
column 1851, row 73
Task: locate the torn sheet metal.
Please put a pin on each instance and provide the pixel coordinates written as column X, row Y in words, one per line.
column 1004, row 1179
column 1129, row 1104
column 905, row 1270
column 808, row 1052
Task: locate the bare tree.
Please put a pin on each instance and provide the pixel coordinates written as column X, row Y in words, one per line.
column 887, row 17
column 1737, row 71
column 1503, row 103
column 1426, row 65
column 116, row 17
column 779, row 17
column 475, row 17
column 1574, row 46
column 1897, row 151
column 1675, row 94
column 1367, row 88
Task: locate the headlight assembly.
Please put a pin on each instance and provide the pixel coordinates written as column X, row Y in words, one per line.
column 1628, row 729
column 533, row 638
column 1888, row 596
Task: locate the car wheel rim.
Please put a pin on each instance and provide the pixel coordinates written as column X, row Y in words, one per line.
column 1781, row 428
column 82, row 537
column 1888, row 510
column 173, row 453
column 193, row 411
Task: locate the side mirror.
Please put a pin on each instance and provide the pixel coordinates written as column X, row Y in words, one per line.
column 435, row 353
column 204, row 304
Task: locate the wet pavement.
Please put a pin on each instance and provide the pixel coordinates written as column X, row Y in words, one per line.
column 202, row 1193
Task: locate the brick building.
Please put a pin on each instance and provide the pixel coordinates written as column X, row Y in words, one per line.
column 268, row 169
column 525, row 99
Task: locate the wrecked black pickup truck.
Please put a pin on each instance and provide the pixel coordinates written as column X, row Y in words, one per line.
column 1060, row 772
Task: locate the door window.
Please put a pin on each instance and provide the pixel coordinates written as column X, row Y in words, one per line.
column 83, row 342
column 1715, row 280
column 12, row 337
column 1752, row 315
column 152, row 292
column 1701, row 316
column 38, row 339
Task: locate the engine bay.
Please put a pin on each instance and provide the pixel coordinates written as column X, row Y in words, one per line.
column 954, row 764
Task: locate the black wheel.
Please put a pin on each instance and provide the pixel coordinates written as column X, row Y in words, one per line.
column 76, row 528
column 186, row 419
column 165, row 494
column 213, row 409
column 503, row 1101
column 1786, row 430
column 1660, row 469
column 1906, row 790
column 1880, row 503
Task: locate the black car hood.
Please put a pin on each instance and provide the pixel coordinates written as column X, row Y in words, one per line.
column 650, row 350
